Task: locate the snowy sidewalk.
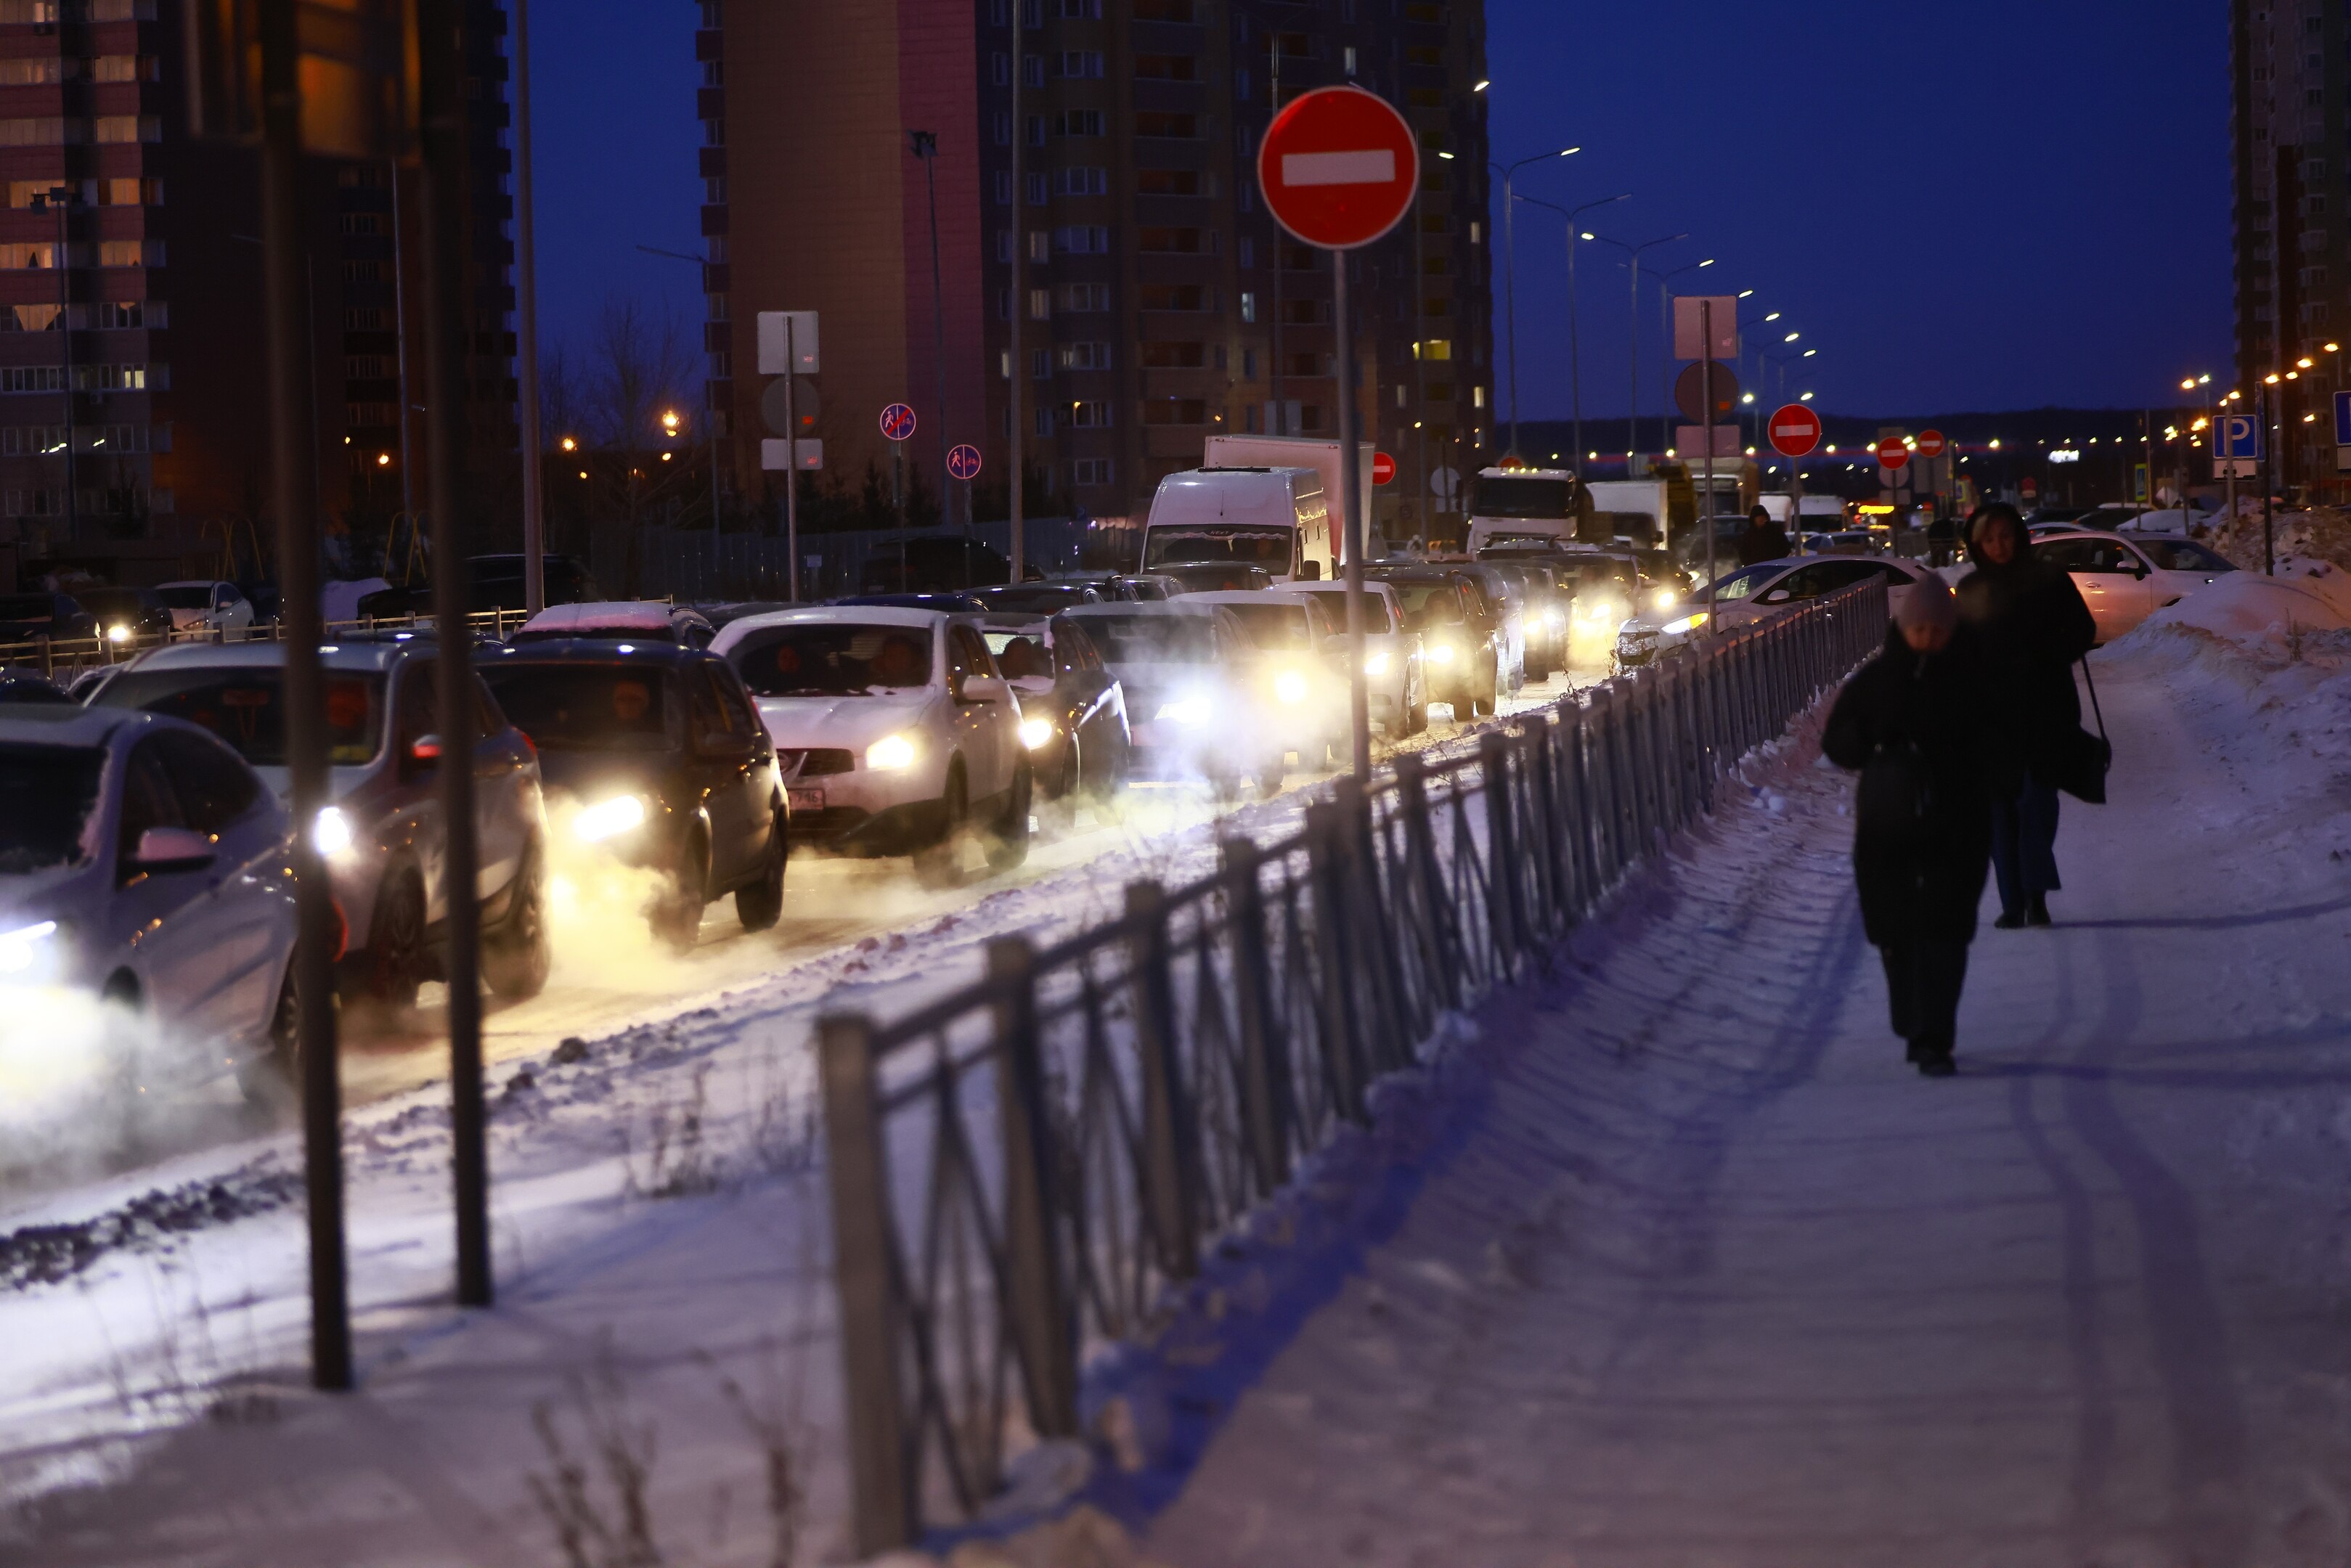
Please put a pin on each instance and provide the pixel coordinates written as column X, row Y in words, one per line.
column 1722, row 1282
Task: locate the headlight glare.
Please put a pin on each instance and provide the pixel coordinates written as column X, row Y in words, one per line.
column 23, row 947
column 1375, row 662
column 1665, row 598
column 331, row 835
column 1036, row 733
column 1186, row 711
column 1443, row 653
column 1686, row 624
column 119, row 633
column 610, row 819
column 891, row 754
column 1290, row 686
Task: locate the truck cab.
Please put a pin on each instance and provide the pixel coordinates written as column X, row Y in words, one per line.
column 1277, row 519
column 1516, row 505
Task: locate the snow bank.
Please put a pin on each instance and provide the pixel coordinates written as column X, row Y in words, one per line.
column 2272, row 617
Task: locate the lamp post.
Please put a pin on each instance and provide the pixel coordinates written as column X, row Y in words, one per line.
column 60, row 199
column 1511, row 266
column 670, row 420
column 1574, row 324
column 1633, row 256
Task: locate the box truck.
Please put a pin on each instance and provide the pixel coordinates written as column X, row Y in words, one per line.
column 1278, row 518
column 1298, row 452
column 1513, row 504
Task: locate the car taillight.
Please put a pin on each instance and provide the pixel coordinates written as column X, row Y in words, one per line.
column 528, row 744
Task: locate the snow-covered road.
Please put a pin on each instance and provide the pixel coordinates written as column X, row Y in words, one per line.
column 1721, row 1280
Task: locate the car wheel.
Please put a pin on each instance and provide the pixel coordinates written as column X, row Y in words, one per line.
column 1416, row 719
column 271, row 1079
column 1008, row 846
column 395, row 953
column 940, row 864
column 517, row 960
column 760, row 905
column 677, row 916
column 1074, row 772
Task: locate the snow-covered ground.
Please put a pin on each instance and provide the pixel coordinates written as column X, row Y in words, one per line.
column 1718, row 1278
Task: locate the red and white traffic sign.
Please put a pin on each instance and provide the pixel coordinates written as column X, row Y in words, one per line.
column 1892, row 454
column 1339, row 168
column 1383, row 468
column 1795, row 431
column 1931, row 443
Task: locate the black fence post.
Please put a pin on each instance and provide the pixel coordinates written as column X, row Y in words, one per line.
column 1335, row 994
column 1502, row 857
column 1265, row 1057
column 1545, row 826
column 1035, row 1302
column 1575, row 809
column 1424, row 884
column 1166, row 1118
column 884, row 1510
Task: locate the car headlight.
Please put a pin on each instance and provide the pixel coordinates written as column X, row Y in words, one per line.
column 1686, row 624
column 610, row 819
column 331, row 835
column 1036, row 733
column 1443, row 653
column 119, row 633
column 1665, row 598
column 1551, row 619
column 25, row 946
column 1290, row 686
column 1375, row 662
column 891, row 754
column 1186, row 710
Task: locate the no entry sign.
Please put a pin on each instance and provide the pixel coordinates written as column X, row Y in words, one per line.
column 964, row 462
column 1383, row 468
column 1893, row 455
column 1931, row 445
column 897, row 422
column 1339, row 168
column 1795, row 431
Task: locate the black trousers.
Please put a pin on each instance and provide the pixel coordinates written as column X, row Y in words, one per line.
column 1924, row 980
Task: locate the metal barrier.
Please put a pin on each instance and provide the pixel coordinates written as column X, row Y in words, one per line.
column 1019, row 1170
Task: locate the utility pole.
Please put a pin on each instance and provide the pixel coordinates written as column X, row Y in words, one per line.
column 533, row 500
column 1015, row 370
column 59, row 198
column 926, row 148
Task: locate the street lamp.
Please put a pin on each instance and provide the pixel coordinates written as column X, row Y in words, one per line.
column 1511, row 266
column 1574, row 328
column 1633, row 253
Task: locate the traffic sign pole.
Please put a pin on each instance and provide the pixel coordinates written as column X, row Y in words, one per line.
column 1706, row 378
column 791, row 470
column 1350, row 485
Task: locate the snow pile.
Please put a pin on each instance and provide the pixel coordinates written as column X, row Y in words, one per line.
column 2306, row 607
column 2322, row 534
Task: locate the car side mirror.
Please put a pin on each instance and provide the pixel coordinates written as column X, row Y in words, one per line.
column 162, row 851
column 1310, row 572
column 1777, row 596
column 978, row 689
column 2140, row 571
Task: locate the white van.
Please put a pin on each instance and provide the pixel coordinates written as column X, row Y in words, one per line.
column 1630, row 499
column 1279, row 518
column 1510, row 506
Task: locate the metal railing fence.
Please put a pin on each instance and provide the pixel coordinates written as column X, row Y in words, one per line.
column 1020, row 1170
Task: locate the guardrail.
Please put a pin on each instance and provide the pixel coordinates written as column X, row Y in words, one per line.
column 1020, row 1170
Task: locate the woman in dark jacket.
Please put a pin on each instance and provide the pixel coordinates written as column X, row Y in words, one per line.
column 2033, row 626
column 1917, row 724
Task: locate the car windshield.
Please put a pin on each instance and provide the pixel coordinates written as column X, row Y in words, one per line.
column 1602, row 573
column 246, row 709
column 187, row 596
column 26, row 607
column 46, row 795
column 1513, row 497
column 1043, row 598
column 2177, row 555
column 832, row 659
column 589, row 708
column 1742, row 582
column 1376, row 616
column 1153, row 639
column 1427, row 604
column 1276, row 627
column 1268, row 547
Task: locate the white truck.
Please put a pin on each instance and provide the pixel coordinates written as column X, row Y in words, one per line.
column 1297, row 452
column 1278, row 518
column 1635, row 498
column 1508, row 505
column 1818, row 514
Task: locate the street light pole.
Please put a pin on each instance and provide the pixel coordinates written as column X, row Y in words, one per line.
column 1633, row 410
column 1510, row 269
column 533, row 500
column 1574, row 320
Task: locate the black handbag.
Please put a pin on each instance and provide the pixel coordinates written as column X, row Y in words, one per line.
column 2082, row 760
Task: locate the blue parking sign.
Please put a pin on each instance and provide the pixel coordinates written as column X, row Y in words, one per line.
column 2238, row 435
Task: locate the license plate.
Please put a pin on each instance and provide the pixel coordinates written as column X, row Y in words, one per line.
column 807, row 799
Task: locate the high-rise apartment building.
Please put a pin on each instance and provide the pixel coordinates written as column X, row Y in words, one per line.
column 2291, row 121
column 1158, row 303
column 133, row 418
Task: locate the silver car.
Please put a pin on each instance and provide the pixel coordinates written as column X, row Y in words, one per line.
column 383, row 836
column 143, row 862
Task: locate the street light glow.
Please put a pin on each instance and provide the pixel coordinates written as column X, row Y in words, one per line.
column 1791, row 337
column 1481, row 87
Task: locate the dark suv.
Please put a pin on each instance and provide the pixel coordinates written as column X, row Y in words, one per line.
column 655, row 755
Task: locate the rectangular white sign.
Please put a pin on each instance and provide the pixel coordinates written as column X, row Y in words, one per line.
column 774, row 455
column 1366, row 168
column 772, row 352
column 1690, row 335
column 1689, row 442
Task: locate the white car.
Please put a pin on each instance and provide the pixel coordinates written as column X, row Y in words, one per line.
column 894, row 729
column 2124, row 581
column 1392, row 662
column 207, row 606
column 1753, row 593
column 142, row 862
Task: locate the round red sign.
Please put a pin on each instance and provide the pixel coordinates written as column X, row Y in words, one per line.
column 1795, row 431
column 1931, row 443
column 1339, row 168
column 1383, row 468
column 1892, row 454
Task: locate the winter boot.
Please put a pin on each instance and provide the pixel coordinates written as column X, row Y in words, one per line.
column 2037, row 912
column 2010, row 920
column 1936, row 1064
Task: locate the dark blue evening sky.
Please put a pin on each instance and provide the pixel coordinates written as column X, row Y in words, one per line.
column 1965, row 205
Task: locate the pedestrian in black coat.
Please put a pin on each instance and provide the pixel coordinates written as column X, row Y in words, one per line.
column 1917, row 723
column 2033, row 627
column 1762, row 540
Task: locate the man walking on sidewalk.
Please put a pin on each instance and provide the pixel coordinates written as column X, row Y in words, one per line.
column 1917, row 724
column 2033, row 626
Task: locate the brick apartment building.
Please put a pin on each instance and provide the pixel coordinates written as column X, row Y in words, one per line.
column 1159, row 303
column 131, row 354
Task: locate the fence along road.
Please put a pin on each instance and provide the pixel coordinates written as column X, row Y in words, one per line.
column 1019, row 1170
